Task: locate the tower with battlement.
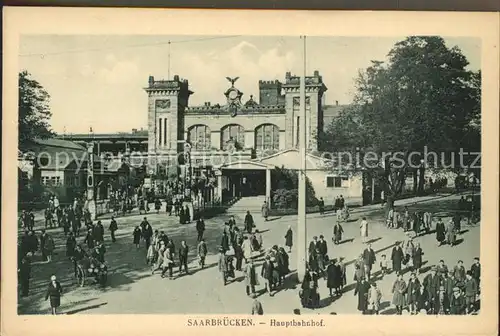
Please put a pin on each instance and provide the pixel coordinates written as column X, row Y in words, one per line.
column 167, row 100
column 315, row 89
column 270, row 93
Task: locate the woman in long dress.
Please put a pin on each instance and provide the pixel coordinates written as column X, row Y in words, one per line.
column 440, row 232
column 364, row 230
column 289, row 239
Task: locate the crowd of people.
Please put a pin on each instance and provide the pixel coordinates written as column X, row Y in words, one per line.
column 241, row 248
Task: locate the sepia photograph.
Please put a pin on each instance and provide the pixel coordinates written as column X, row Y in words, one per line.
column 229, row 174
column 171, row 170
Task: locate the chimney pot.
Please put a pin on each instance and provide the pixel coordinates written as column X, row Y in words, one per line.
column 176, row 78
column 316, row 73
column 151, row 80
column 337, row 102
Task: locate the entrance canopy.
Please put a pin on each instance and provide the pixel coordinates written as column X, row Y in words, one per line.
column 247, row 165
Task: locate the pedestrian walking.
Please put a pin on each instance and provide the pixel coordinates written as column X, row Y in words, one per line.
column 187, row 215
column 202, row 252
column 451, row 236
column 397, row 257
column 183, row 257
column 248, row 222
column 440, row 232
column 383, row 265
column 368, row 260
column 458, row 303
column 113, row 227
column 49, row 247
column 70, row 245
column 247, row 249
column 265, row 210
column 333, row 278
column 374, row 298
column 398, row 290
column 289, row 238
column 364, row 230
column 147, row 233
column 168, row 264
column 54, row 292
column 417, row 258
column 200, row 228
column 475, row 271
column 470, row 293
column 431, row 283
column 362, row 288
column 251, row 278
column 413, row 293
column 223, row 265
column 137, row 236
column 267, row 274
column 337, row 233
column 321, row 206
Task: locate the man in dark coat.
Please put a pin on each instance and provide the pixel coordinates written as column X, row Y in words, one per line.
column 440, row 232
column 333, row 277
column 267, row 274
column 341, row 202
column 183, row 257
column 457, row 303
column 337, row 233
column 321, row 206
column 223, row 266
column 397, row 257
column 337, row 204
column 322, row 247
column 43, row 239
column 113, row 227
column 362, row 288
column 200, row 228
column 449, row 283
column 89, row 239
column 312, row 245
column 248, row 222
column 224, row 242
column 475, row 271
column 369, row 259
column 99, row 232
column 147, row 233
column 70, row 245
column 432, row 282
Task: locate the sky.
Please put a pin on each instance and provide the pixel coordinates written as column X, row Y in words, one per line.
column 98, row 81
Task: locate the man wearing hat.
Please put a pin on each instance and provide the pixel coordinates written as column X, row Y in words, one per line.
column 54, row 292
column 457, row 302
column 312, row 245
column 470, row 293
column 267, row 274
column 449, row 283
column 222, row 264
column 432, row 282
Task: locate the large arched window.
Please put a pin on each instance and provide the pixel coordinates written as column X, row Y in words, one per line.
column 267, row 136
column 199, row 137
column 232, row 132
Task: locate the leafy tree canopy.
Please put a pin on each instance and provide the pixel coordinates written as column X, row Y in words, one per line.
column 423, row 96
column 34, row 110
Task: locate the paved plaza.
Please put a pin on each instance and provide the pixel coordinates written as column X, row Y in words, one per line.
column 132, row 289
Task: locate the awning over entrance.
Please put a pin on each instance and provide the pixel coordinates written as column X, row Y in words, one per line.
column 247, row 165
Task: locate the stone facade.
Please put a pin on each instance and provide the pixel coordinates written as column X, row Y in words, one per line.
column 171, row 121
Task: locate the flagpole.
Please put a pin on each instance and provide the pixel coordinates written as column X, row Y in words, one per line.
column 301, row 227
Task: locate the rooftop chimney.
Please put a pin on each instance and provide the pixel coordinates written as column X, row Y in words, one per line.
column 316, row 73
column 151, row 80
column 176, row 78
column 337, row 103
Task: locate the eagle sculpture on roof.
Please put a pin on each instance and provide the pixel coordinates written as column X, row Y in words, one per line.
column 232, row 80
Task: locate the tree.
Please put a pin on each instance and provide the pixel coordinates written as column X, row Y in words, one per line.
column 423, row 97
column 34, row 110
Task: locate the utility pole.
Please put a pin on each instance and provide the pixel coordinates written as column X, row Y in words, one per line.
column 301, row 225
